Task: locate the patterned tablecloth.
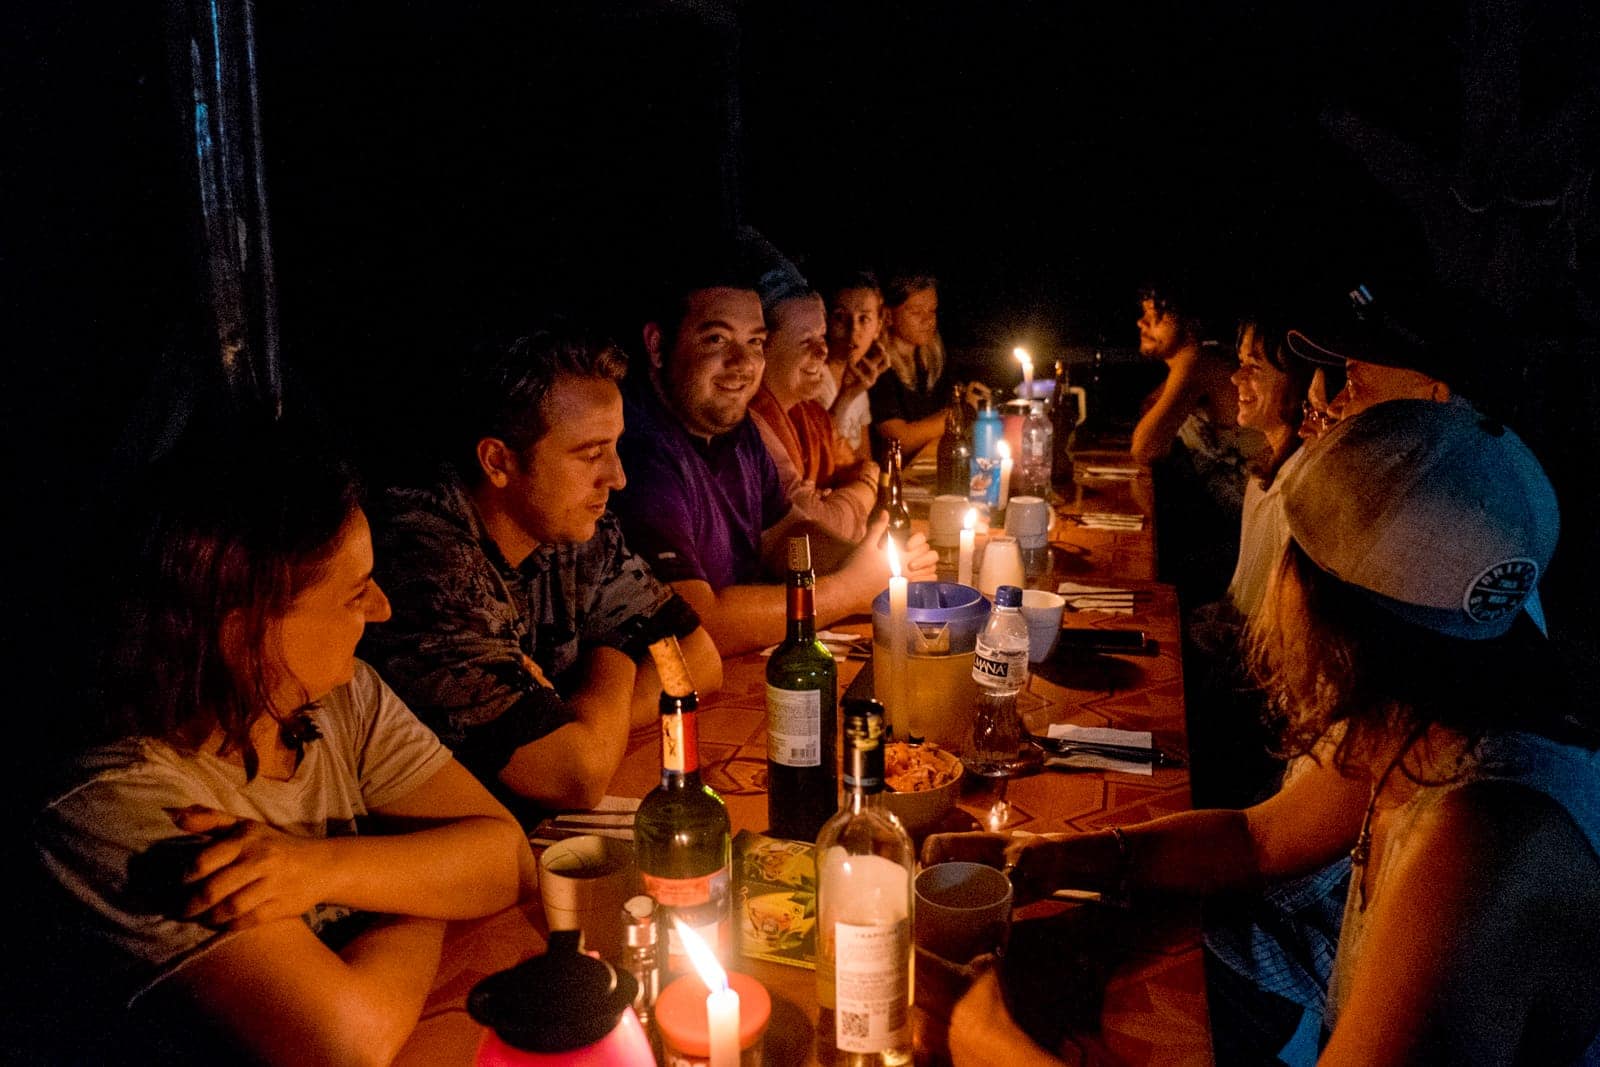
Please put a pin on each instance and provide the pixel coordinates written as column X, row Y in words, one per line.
column 1154, row 1008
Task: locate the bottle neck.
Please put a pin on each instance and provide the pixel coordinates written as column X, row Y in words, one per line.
column 680, row 741
column 863, row 776
column 802, row 606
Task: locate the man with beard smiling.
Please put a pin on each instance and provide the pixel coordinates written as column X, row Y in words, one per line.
column 704, row 504
column 521, row 620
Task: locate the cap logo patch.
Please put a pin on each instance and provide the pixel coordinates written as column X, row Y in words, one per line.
column 1500, row 590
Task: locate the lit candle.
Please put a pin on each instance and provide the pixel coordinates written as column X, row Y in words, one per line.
column 722, row 1005
column 1005, row 471
column 964, row 564
column 899, row 713
column 1027, row 372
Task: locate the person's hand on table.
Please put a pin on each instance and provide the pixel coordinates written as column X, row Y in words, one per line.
column 922, row 560
column 249, row 873
column 1038, row 864
column 982, row 1031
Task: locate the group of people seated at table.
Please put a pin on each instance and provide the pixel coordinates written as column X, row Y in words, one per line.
column 265, row 844
column 260, row 795
column 1441, row 766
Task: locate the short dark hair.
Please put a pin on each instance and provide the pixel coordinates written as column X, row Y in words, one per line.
column 501, row 389
column 240, row 525
column 1195, row 302
column 719, row 264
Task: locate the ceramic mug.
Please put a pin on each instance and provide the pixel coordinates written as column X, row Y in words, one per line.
column 1002, row 565
column 944, row 520
column 1030, row 519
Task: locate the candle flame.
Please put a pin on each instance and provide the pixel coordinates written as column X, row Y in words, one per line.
column 894, row 557
column 704, row 960
column 970, row 520
column 1002, row 449
column 1022, row 356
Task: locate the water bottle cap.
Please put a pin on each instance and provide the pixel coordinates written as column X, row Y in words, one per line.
column 1008, row 596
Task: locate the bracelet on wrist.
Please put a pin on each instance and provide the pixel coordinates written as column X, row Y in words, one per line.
column 1124, row 861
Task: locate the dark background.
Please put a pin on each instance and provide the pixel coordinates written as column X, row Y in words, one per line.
column 441, row 170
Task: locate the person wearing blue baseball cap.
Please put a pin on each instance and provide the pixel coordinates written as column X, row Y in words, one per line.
column 1442, row 749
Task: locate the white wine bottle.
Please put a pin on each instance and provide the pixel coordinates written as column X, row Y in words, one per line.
column 864, row 870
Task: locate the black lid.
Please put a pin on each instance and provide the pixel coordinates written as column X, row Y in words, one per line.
column 556, row 1002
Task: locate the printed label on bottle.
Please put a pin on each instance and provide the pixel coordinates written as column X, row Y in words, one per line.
column 794, row 727
column 700, row 904
column 871, row 986
column 679, row 748
column 998, row 667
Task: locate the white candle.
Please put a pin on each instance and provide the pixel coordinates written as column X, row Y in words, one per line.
column 722, row 1004
column 899, row 713
column 964, row 565
column 1005, row 471
column 1027, row 374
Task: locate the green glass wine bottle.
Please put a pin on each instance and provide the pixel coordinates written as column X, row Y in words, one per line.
column 802, row 725
column 681, row 832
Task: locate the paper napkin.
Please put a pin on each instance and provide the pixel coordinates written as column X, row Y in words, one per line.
column 1106, row 736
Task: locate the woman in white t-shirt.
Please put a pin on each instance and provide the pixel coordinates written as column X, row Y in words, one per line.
column 267, row 850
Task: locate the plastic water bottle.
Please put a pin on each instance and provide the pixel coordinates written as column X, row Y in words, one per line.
column 1000, row 667
column 1035, row 465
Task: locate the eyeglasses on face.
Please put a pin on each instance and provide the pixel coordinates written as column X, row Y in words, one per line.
column 1318, row 416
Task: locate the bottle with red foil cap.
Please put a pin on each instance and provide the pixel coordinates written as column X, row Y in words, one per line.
column 681, row 833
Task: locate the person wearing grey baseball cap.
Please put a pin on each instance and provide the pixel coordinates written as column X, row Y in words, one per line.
column 1443, row 748
column 1438, row 514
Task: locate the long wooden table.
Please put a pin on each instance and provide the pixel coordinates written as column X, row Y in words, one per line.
column 1154, row 1008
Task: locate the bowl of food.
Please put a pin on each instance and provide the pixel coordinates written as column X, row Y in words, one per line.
column 921, row 783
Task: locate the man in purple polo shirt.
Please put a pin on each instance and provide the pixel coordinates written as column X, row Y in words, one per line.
column 703, row 504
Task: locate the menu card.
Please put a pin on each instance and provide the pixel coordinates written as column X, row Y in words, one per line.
column 775, row 899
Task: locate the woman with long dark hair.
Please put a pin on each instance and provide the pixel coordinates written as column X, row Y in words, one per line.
column 266, row 851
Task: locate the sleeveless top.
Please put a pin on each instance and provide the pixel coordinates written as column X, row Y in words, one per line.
column 1566, row 774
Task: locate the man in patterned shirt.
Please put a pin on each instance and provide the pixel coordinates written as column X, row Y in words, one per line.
column 521, row 619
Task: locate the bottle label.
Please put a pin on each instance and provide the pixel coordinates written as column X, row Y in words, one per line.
column 794, row 727
column 871, row 986
column 1000, row 668
column 699, row 903
column 680, row 749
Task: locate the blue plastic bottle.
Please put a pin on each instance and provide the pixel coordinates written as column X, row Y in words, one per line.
column 987, row 432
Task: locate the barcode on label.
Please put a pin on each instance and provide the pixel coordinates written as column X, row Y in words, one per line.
column 852, row 1024
column 805, row 752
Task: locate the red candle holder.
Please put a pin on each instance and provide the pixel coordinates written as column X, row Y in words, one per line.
column 680, row 1015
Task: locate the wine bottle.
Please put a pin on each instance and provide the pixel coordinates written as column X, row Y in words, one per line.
column 681, row 832
column 899, row 514
column 802, row 685
column 955, row 448
column 864, row 870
